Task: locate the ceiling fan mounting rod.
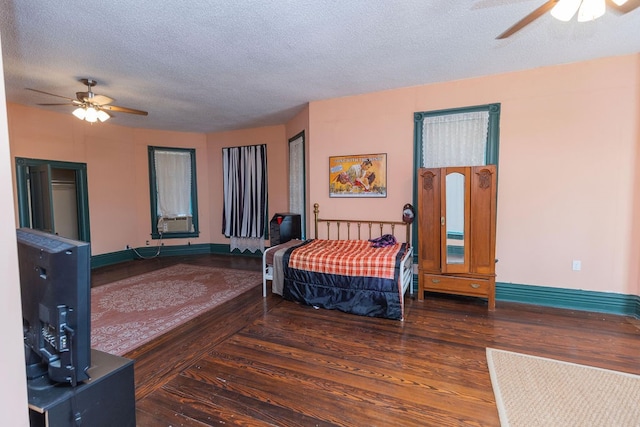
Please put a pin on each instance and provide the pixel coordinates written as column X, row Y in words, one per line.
column 89, row 83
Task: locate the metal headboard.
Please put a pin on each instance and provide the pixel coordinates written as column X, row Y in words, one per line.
column 369, row 228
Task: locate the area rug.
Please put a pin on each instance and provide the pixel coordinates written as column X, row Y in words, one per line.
column 534, row 391
column 130, row 312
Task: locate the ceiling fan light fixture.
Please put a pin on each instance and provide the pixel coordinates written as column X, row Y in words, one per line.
column 565, row 9
column 80, row 113
column 590, row 10
column 92, row 115
column 103, row 116
column 619, row 2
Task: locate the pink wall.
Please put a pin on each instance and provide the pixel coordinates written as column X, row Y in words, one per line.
column 632, row 241
column 568, row 184
column 380, row 122
column 298, row 124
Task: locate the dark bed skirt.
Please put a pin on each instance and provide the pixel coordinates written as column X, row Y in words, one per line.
column 364, row 296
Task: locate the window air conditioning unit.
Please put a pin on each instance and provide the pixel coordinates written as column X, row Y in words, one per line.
column 181, row 224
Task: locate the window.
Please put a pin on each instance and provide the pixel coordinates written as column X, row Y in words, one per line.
column 172, row 181
column 297, row 180
column 457, row 137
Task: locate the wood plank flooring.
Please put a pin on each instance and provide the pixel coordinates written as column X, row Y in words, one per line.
column 268, row 362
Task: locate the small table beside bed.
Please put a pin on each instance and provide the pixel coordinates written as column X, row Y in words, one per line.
column 366, row 272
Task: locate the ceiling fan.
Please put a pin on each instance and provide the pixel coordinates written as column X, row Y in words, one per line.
column 565, row 9
column 91, row 106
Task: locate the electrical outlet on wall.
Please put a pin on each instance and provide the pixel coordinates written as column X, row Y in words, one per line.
column 576, row 265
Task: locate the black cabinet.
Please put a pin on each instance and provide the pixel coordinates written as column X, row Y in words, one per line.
column 284, row 227
column 107, row 399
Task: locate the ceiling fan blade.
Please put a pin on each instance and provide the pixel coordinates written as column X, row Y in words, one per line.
column 547, row 6
column 94, row 98
column 625, row 8
column 124, row 110
column 52, row 94
column 102, row 99
column 60, row 103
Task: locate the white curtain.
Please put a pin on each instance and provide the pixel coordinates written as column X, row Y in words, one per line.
column 173, row 183
column 245, row 196
column 296, row 177
column 458, row 139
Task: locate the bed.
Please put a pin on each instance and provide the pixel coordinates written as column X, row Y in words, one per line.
column 341, row 270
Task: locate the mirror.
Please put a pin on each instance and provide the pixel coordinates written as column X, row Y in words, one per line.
column 455, row 218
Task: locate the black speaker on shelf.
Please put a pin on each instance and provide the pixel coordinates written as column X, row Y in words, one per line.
column 284, row 227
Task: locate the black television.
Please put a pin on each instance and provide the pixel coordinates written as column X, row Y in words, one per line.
column 55, row 283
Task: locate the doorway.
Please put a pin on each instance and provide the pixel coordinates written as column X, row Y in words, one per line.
column 52, row 197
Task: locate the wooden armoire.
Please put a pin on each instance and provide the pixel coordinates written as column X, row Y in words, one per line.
column 457, row 231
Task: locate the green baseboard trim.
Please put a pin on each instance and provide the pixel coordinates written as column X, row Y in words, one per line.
column 148, row 252
column 218, row 248
column 574, row 299
column 111, row 258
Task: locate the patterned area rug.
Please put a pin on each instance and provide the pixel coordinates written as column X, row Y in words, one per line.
column 533, row 391
column 130, row 312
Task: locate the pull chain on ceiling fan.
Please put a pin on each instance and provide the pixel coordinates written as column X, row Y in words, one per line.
column 564, row 10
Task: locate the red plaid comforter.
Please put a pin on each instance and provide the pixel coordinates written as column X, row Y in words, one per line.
column 346, row 257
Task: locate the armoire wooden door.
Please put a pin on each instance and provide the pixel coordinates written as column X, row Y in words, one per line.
column 429, row 218
column 483, row 219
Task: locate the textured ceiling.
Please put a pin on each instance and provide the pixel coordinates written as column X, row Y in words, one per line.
column 206, row 65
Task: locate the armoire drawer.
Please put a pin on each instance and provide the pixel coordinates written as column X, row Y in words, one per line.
column 456, row 285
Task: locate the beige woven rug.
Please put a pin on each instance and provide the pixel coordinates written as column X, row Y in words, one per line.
column 130, row 312
column 533, row 391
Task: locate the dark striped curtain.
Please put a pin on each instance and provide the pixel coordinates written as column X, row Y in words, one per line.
column 245, row 192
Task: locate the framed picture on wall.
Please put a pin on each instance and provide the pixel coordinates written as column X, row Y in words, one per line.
column 361, row 175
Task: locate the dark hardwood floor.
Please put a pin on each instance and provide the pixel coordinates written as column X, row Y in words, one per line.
column 264, row 361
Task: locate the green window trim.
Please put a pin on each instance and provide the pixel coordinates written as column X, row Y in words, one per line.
column 155, row 234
